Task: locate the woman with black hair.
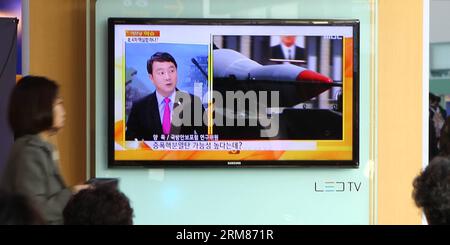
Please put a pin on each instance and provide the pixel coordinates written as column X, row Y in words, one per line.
column 36, row 113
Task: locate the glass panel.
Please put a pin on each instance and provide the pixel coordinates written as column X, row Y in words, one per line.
column 243, row 196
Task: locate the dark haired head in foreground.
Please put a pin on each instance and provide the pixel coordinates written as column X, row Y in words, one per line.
column 31, row 106
column 15, row 209
column 98, row 206
column 432, row 191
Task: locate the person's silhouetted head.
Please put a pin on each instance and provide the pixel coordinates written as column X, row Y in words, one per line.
column 35, row 107
column 432, row 191
column 98, row 206
column 433, row 100
column 15, row 209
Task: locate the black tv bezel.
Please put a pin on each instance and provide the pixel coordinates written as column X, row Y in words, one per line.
column 112, row 163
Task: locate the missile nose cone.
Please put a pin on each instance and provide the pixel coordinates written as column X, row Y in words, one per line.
column 316, row 84
column 313, row 76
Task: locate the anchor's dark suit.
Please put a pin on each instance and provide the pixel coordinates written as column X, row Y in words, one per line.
column 144, row 119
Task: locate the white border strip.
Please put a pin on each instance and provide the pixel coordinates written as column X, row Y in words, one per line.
column 374, row 123
column 425, row 84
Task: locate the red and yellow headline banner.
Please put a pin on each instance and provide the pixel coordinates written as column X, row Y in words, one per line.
column 142, row 33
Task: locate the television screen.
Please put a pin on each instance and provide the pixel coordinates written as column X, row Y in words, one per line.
column 233, row 92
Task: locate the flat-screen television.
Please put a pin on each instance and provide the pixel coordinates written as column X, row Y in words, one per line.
column 233, row 92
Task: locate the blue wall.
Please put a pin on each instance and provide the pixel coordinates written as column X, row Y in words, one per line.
column 239, row 196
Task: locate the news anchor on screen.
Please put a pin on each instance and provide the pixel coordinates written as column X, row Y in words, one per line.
column 155, row 114
column 288, row 51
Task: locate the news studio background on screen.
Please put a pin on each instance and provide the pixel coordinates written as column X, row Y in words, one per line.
column 267, row 92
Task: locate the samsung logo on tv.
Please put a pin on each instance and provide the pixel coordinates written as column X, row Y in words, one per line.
column 234, row 163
